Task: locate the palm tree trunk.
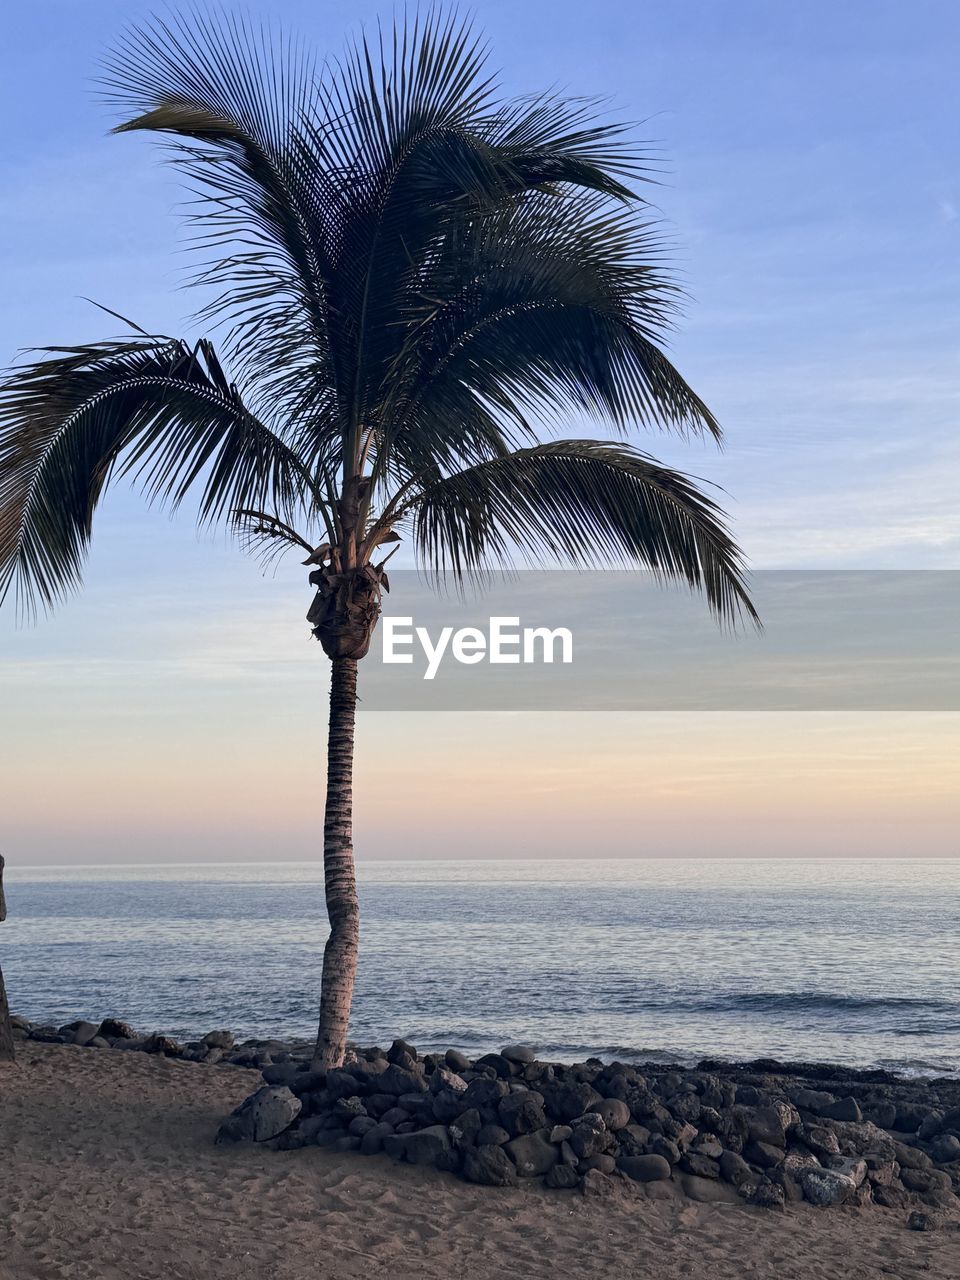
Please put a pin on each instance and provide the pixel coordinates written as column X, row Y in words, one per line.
column 6, row 1031
column 340, row 885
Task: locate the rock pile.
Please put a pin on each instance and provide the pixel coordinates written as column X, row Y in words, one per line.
column 721, row 1133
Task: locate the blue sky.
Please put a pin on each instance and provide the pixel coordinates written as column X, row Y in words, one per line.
column 812, row 189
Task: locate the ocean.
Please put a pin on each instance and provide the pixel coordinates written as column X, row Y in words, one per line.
column 845, row 960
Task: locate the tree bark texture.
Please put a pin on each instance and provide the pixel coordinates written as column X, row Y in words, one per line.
column 340, row 885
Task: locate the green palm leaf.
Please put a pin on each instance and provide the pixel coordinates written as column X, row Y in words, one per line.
column 581, row 502
column 149, row 406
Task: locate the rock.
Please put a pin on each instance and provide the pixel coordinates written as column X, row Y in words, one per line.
column 262, row 1116
column 219, row 1040
column 614, row 1113
column 826, row 1187
column 735, row 1170
column 395, row 1116
column 444, row 1079
column 84, row 1032
column 601, row 1186
column 707, row 1190
column 482, row 1093
column 562, row 1177
column 281, row 1073
column 456, row 1060
column 372, row 1141
column 882, row 1113
column 361, row 1125
column 521, row 1053
column 909, row 1117
column 426, row 1146
column 921, row 1220
column 560, row 1133
column 533, row 1153
column 844, row 1109
column 911, row 1157
column 273, row 1111
column 489, row 1166
column 589, row 1135
column 932, row 1125
column 692, row 1162
column 492, row 1135
column 347, row 1109
column 767, row 1195
column 467, row 1126
column 763, row 1154
column 644, row 1168
column 665, row 1147
column 814, row 1100
column 708, row 1144
column 304, row 1082
column 112, row 1029
column 522, row 1113
column 925, row 1179
column 99, row 1042
column 854, row 1169
column 766, row 1124
column 603, row 1163
column 158, row 1043
column 401, row 1049
column 568, row 1101
column 495, row 1062
column 446, row 1106
column 395, row 1145
column 945, row 1149
column 395, row 1080
column 891, row 1197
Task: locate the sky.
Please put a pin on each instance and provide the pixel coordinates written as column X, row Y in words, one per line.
column 811, row 188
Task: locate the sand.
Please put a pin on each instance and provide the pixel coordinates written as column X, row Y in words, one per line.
column 108, row 1169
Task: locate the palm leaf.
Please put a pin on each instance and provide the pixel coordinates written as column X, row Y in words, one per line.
column 585, row 503
column 151, row 407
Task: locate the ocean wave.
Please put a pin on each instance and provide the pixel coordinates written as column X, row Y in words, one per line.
column 819, row 1001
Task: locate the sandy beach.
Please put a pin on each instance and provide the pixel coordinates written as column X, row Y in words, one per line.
column 109, row 1170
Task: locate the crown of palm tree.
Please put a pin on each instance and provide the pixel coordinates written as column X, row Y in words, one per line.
column 414, row 282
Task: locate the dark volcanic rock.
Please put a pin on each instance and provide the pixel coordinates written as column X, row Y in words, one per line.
column 568, row 1101
column 522, row 1113
column 735, row 1170
column 492, row 1135
column 520, row 1053
column 426, row 1146
column 614, row 1112
column 113, row 1029
column 533, row 1153
column 644, row 1168
column 700, row 1165
column 843, row 1109
column 396, row 1080
column 562, row 1177
column 921, row 1220
column 490, row 1167
column 945, row 1149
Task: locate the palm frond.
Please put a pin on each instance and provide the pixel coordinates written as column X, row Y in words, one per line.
column 233, row 99
column 153, row 408
column 582, row 503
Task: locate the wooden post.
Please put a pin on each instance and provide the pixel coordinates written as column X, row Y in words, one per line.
column 6, row 1031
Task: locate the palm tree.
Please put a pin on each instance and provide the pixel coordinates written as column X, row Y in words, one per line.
column 415, row 280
